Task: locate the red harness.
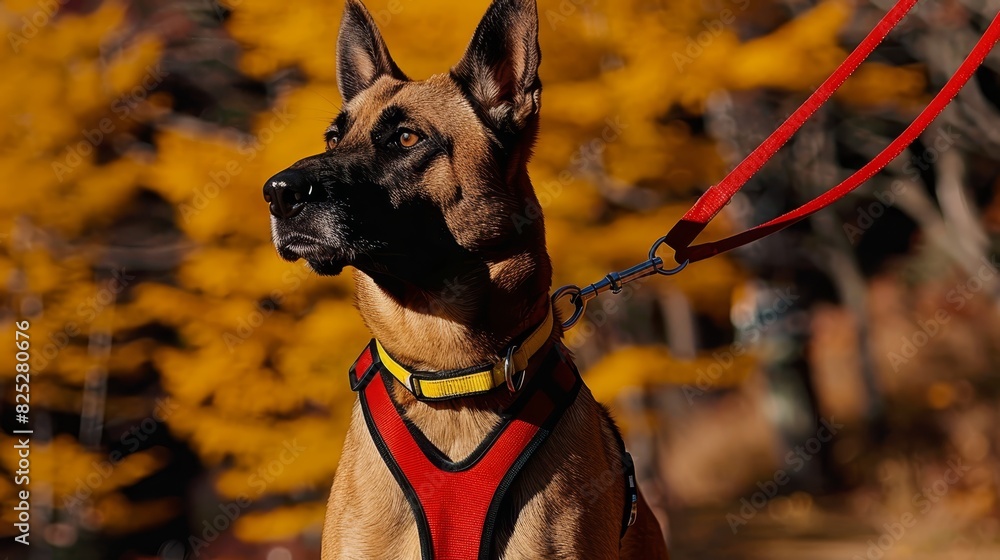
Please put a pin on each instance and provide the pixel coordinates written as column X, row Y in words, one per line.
column 456, row 503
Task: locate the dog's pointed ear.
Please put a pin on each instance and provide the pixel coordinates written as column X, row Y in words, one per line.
column 499, row 71
column 362, row 57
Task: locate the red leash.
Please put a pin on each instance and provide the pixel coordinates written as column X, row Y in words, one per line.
column 694, row 221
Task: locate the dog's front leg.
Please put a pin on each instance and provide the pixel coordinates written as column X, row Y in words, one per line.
column 568, row 502
column 367, row 516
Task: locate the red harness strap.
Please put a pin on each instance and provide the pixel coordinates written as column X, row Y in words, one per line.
column 456, row 503
column 694, row 221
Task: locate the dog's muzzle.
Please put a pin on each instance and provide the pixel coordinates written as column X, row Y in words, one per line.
column 288, row 192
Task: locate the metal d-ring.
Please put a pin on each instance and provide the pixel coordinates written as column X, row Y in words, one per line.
column 654, row 258
column 509, row 373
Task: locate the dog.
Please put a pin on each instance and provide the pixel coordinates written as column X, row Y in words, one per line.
column 416, row 191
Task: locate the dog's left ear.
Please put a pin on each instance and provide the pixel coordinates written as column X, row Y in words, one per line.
column 362, row 56
column 499, row 71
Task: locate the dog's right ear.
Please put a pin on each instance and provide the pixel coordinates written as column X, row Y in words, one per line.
column 362, row 57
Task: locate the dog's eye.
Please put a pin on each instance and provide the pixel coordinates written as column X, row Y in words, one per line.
column 407, row 138
column 332, row 142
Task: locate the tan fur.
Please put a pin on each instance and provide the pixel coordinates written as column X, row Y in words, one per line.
column 568, row 501
column 571, row 493
column 569, row 504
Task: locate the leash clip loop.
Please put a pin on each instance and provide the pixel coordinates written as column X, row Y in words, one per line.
column 613, row 281
column 509, row 374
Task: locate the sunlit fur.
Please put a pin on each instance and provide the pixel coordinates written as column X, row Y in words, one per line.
column 445, row 278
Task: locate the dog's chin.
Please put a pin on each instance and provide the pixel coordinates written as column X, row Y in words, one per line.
column 324, row 260
column 327, row 267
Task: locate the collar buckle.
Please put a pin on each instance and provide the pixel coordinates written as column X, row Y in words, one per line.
column 510, row 370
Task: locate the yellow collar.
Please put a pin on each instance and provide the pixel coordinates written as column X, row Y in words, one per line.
column 474, row 381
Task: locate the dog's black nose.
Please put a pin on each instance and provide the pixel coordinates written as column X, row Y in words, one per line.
column 287, row 192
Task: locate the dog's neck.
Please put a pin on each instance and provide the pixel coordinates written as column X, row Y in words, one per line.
column 468, row 321
column 464, row 317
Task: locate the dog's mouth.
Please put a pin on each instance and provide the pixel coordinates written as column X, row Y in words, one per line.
column 322, row 257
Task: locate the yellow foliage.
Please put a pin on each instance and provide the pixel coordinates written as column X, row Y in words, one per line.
column 74, row 473
column 71, row 90
column 875, row 85
column 797, row 56
column 116, row 515
column 262, row 345
column 283, row 523
column 640, row 366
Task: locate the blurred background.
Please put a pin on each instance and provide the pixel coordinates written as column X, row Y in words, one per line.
column 829, row 392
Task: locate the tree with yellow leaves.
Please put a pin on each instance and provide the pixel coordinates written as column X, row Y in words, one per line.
column 141, row 251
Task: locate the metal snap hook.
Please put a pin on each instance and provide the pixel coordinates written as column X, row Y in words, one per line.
column 579, row 304
column 613, row 282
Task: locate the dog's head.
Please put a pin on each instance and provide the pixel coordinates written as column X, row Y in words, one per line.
column 420, row 177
